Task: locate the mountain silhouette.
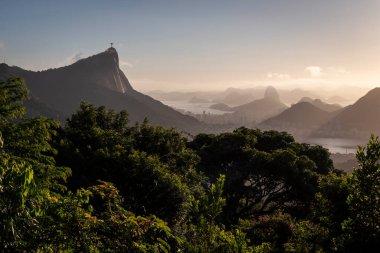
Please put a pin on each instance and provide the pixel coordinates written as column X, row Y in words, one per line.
column 321, row 105
column 271, row 93
column 299, row 119
column 358, row 120
column 98, row 80
column 235, row 97
column 221, row 107
column 261, row 109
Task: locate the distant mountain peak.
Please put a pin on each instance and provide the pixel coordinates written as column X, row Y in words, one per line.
column 299, row 119
column 108, row 57
column 271, row 93
column 111, row 50
column 320, row 104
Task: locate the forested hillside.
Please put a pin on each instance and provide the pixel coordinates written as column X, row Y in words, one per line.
column 100, row 184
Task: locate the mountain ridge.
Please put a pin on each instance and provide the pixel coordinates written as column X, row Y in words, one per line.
column 261, row 109
column 98, row 80
column 321, row 104
column 357, row 120
column 300, row 119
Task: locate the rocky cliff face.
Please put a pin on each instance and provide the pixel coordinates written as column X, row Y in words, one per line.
column 103, row 70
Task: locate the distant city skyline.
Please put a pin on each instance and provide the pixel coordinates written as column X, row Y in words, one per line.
column 202, row 45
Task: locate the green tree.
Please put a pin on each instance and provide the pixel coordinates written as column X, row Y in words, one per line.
column 206, row 234
column 27, row 169
column 93, row 220
column 171, row 149
column 275, row 230
column 151, row 166
column 362, row 228
column 12, row 94
column 329, row 210
column 318, row 154
column 16, row 187
column 265, row 172
column 307, row 237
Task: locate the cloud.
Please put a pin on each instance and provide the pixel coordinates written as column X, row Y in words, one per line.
column 337, row 70
column 74, row 58
column 331, row 72
column 125, row 64
column 315, row 71
column 278, row 76
column 70, row 59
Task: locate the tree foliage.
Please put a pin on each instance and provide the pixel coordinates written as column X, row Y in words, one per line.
column 98, row 184
column 12, row 93
column 265, row 171
column 206, row 234
column 151, row 166
column 362, row 227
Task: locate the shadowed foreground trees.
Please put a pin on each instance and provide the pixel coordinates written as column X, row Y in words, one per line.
column 151, row 166
column 37, row 213
column 265, row 171
column 98, row 184
column 362, row 226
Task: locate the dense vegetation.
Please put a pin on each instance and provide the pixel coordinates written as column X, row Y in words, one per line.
column 99, row 184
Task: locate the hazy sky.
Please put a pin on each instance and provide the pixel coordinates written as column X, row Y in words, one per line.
column 202, row 44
